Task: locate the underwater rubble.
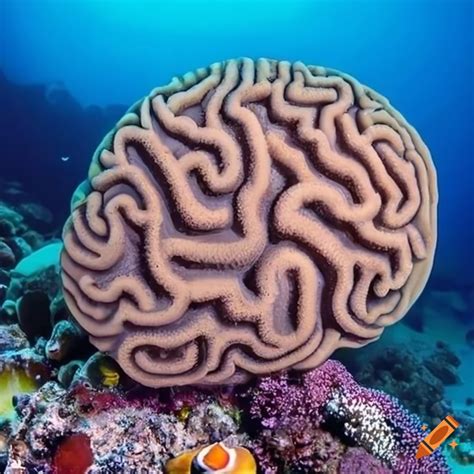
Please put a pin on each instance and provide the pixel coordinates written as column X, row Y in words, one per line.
column 65, row 408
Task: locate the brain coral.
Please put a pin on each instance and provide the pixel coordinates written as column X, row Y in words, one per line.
column 249, row 217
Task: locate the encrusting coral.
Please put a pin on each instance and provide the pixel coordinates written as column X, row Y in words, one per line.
column 247, row 218
column 125, row 434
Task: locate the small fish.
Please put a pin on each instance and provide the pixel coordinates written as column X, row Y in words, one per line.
column 110, row 377
column 99, row 371
column 183, row 413
column 214, row 459
column 65, row 158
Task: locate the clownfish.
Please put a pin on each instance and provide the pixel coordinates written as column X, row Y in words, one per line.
column 214, row 459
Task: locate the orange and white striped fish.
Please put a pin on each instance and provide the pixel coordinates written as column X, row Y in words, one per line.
column 214, row 459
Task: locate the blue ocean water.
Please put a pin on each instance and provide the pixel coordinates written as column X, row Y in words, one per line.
column 70, row 68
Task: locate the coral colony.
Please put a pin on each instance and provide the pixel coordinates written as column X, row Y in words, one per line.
column 236, row 228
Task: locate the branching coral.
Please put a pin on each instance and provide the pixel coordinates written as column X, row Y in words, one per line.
column 329, row 398
column 249, row 217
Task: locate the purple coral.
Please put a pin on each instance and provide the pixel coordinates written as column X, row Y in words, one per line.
column 302, row 447
column 357, row 460
column 290, row 396
column 329, row 397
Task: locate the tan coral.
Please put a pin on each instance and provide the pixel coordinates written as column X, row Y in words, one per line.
column 247, row 218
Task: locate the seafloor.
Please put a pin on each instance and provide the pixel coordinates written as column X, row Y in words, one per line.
column 66, row 409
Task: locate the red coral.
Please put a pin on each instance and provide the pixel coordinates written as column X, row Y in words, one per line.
column 90, row 400
column 74, row 455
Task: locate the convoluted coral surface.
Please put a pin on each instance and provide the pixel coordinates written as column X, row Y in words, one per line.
column 246, row 218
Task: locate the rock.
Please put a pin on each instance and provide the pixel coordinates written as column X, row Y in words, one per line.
column 67, row 372
column 11, row 222
column 35, row 213
column 64, row 338
column 45, row 257
column 58, row 308
column 4, row 277
column 7, row 256
column 34, row 317
column 20, row 247
column 12, row 338
column 14, row 290
column 34, row 239
column 7, row 229
column 46, row 280
column 8, row 312
column 4, row 283
column 3, row 292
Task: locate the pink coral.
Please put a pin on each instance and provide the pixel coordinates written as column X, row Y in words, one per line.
column 301, row 447
column 329, row 398
column 289, row 395
column 74, row 455
column 358, row 461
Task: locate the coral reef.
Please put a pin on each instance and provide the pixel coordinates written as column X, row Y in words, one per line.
column 322, row 421
column 73, row 455
column 224, row 213
column 356, row 460
column 329, row 397
column 124, row 434
column 70, row 409
column 416, row 378
column 33, row 314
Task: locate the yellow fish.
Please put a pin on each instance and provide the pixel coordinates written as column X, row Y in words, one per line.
column 214, row 459
column 110, row 377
